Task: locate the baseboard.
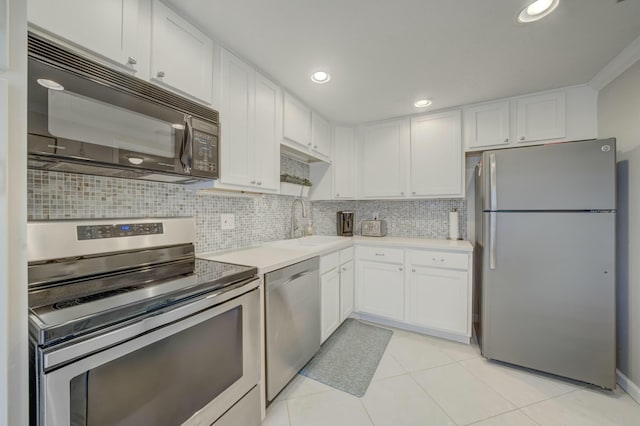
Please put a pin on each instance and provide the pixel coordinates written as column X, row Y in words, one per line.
column 404, row 326
column 631, row 388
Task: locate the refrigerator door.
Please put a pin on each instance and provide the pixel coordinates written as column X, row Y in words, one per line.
column 549, row 301
column 563, row 176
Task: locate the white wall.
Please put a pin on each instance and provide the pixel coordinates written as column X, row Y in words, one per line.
column 13, row 193
column 619, row 117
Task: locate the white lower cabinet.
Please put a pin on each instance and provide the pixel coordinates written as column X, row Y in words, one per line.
column 336, row 290
column 438, row 299
column 427, row 291
column 381, row 289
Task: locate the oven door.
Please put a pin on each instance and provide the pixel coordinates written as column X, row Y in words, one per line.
column 189, row 371
column 77, row 118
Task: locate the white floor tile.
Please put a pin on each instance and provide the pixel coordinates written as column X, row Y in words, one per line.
column 519, row 386
column 388, row 367
column 459, row 351
column 277, row 414
column 399, row 401
column 512, row 418
column 463, row 397
column 333, row 408
column 302, row 386
column 587, row 408
column 415, row 354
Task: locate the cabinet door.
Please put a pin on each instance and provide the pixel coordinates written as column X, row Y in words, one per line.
column 344, row 162
column 383, row 162
column 542, row 117
column 329, row 302
column 436, row 155
column 347, row 290
column 266, row 133
column 487, row 125
column 108, row 28
column 439, row 299
column 320, row 135
column 297, row 121
column 236, row 100
column 181, row 55
column 381, row 289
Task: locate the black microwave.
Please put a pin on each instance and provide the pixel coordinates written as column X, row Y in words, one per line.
column 84, row 117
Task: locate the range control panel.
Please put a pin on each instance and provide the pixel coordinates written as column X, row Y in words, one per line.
column 94, row 232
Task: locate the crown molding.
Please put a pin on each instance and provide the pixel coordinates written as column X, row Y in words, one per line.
column 625, row 59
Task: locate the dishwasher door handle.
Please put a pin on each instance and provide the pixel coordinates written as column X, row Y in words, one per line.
column 291, row 279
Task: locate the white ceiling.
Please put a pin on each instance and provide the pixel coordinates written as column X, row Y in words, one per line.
column 385, row 54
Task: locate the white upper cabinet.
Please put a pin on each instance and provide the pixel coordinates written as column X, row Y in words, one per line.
column 344, row 162
column 320, row 135
column 383, row 159
column 267, row 132
column 236, row 144
column 181, row 55
column 297, row 122
column 436, row 156
column 250, row 133
column 542, row 117
column 108, row 28
column 4, row 37
column 487, row 125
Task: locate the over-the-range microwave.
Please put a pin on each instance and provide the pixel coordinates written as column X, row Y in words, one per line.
column 84, row 117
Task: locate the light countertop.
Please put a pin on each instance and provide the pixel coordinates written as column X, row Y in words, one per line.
column 278, row 254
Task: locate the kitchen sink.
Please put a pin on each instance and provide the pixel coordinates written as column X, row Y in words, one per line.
column 306, row 242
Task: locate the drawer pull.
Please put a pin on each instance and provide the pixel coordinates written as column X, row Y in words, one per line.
column 434, row 259
column 441, row 260
column 382, row 254
column 413, row 270
column 399, row 269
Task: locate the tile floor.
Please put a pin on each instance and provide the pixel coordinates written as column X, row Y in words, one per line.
column 423, row 380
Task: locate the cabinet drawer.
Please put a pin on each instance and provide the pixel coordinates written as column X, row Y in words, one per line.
column 328, row 262
column 439, row 259
column 346, row 255
column 381, row 254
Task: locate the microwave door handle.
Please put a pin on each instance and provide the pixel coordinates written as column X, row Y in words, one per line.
column 187, row 146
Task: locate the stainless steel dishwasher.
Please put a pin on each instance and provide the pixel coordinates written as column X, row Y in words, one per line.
column 292, row 320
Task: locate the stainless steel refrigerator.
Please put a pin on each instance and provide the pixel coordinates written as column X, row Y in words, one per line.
column 545, row 258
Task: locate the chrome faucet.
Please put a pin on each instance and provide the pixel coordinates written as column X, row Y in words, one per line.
column 294, row 228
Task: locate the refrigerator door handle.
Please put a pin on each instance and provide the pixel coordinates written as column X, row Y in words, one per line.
column 492, row 182
column 492, row 239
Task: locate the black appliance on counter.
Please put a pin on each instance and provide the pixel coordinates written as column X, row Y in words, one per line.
column 345, row 223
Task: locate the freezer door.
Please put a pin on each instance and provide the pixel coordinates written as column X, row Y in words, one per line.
column 562, row 176
column 549, row 301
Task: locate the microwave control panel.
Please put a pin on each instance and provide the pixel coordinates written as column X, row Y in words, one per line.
column 94, row 232
column 205, row 154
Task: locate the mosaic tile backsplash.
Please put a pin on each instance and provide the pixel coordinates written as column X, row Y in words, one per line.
column 258, row 218
column 405, row 218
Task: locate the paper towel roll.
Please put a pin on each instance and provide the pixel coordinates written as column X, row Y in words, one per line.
column 454, row 232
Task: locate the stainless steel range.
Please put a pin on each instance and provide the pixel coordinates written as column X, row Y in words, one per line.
column 128, row 327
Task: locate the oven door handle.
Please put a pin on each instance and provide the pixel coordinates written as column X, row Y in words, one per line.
column 186, row 150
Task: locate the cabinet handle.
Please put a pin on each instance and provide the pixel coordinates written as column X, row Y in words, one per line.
column 160, row 74
column 402, row 193
column 379, row 254
column 132, row 60
column 434, row 259
column 414, row 193
column 506, row 140
column 441, row 260
column 400, row 269
column 337, row 195
column 344, row 268
column 309, row 144
column 522, row 138
column 259, row 183
column 315, row 146
column 413, row 270
column 253, row 182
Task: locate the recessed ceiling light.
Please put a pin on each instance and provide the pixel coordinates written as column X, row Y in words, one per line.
column 537, row 10
column 50, row 84
column 422, row 103
column 320, row 77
